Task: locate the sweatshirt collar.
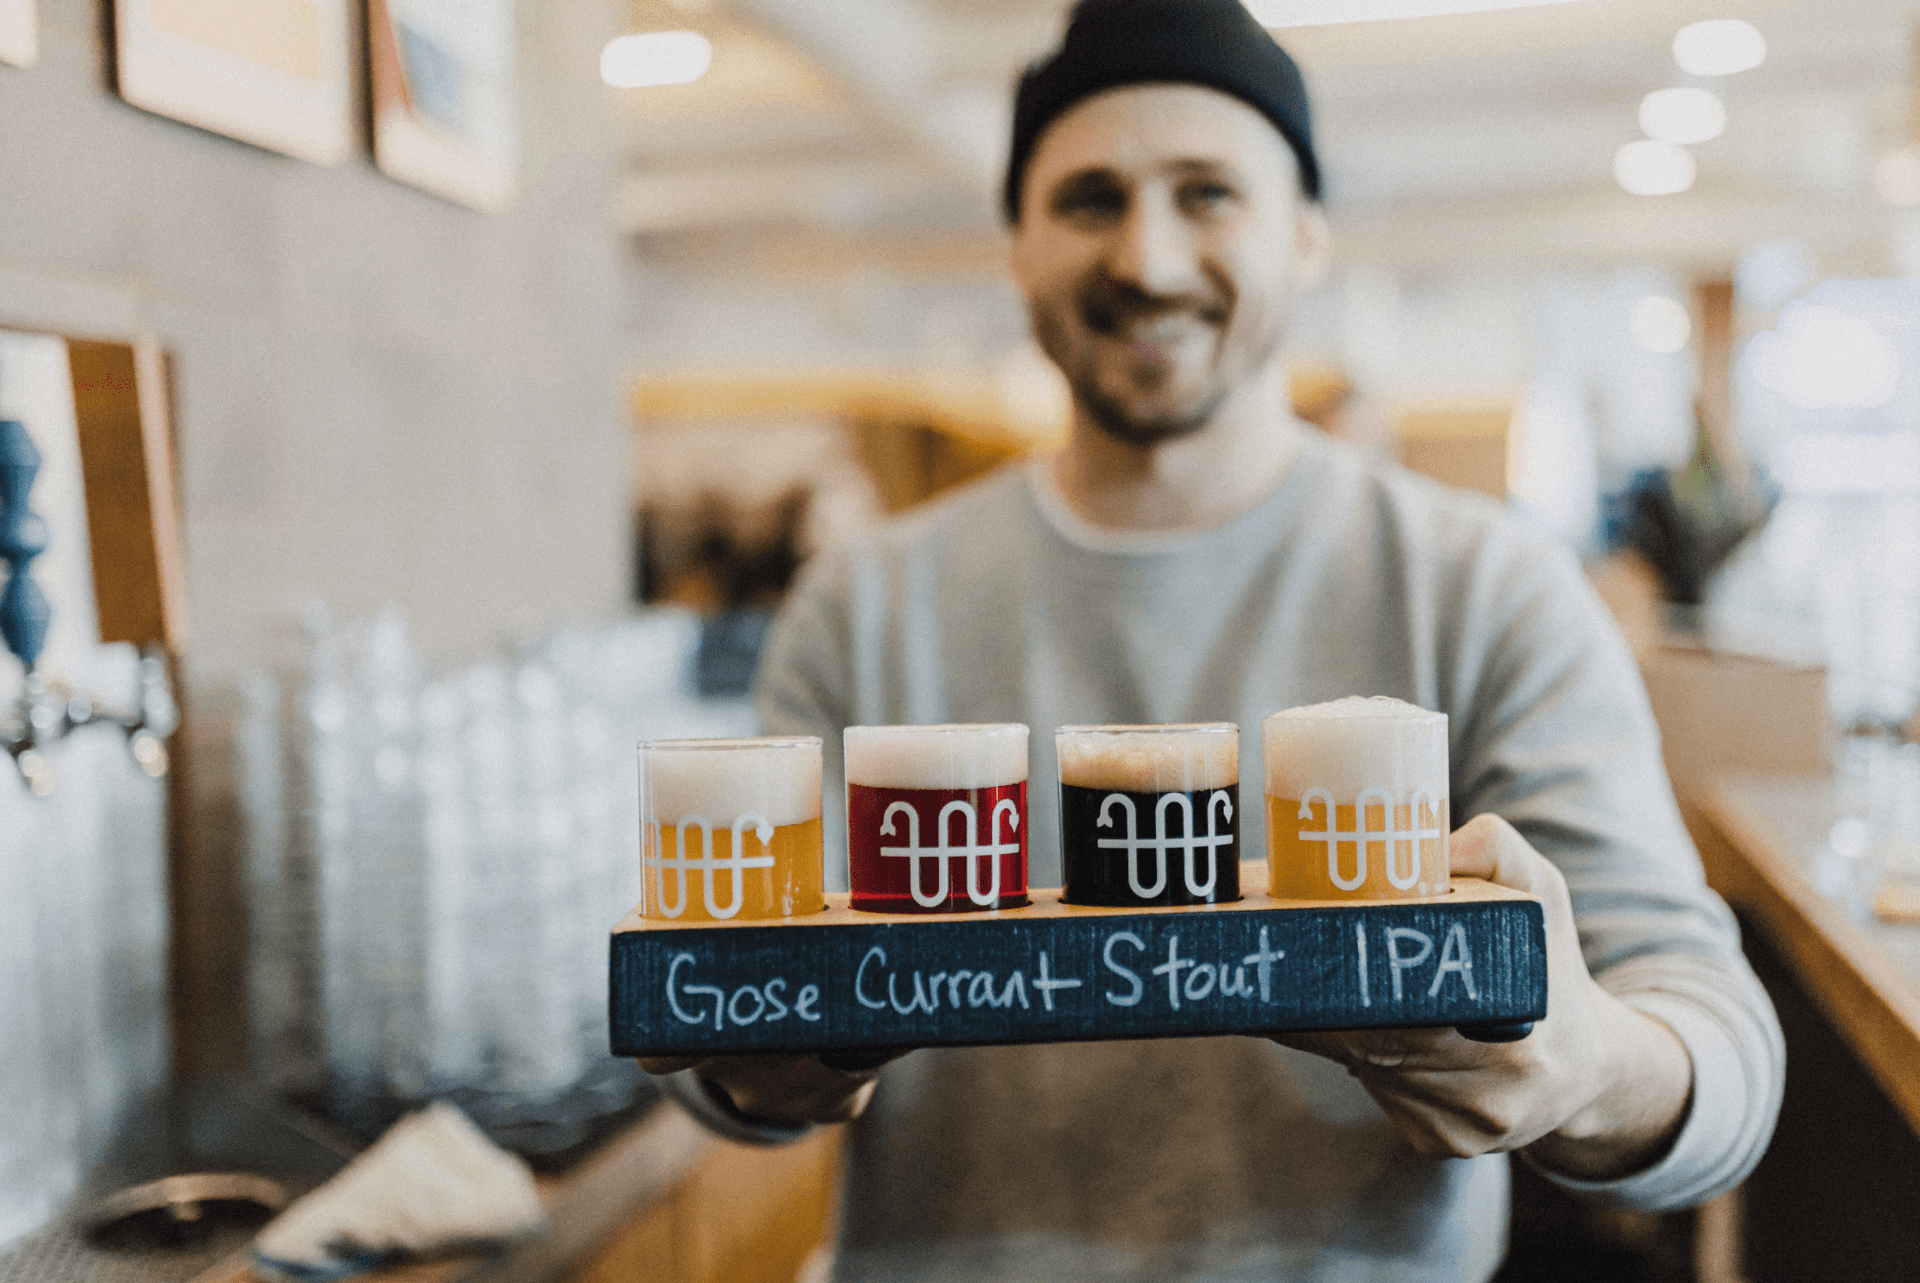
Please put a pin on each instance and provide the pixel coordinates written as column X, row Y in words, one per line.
column 1081, row 533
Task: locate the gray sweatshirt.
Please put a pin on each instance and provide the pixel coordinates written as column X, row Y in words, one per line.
column 1233, row 1158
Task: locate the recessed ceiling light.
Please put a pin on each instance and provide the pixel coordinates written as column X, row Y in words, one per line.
column 1653, row 168
column 1721, row 47
column 1683, row 115
column 1661, row 324
column 655, row 58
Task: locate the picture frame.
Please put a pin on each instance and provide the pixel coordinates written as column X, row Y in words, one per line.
column 443, row 97
column 274, row 73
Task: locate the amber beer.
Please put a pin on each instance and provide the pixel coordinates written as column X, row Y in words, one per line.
column 1150, row 815
column 730, row 829
column 1357, row 801
column 937, row 818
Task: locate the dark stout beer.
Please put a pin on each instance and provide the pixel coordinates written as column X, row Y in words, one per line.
column 1150, row 815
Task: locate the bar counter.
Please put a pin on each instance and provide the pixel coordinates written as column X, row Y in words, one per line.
column 1759, row 837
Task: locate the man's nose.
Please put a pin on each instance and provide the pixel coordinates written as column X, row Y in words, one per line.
column 1154, row 249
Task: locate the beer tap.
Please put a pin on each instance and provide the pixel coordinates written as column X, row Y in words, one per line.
column 48, row 710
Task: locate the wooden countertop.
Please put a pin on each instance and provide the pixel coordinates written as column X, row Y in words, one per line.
column 1760, row 837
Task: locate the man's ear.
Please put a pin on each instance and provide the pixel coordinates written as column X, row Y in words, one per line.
column 1313, row 245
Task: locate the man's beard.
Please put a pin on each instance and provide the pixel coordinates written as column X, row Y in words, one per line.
column 1113, row 418
column 1107, row 309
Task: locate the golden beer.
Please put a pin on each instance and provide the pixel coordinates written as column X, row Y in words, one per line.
column 696, row 874
column 1358, row 805
column 1407, row 857
column 730, row 830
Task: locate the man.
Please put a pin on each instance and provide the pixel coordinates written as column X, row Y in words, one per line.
column 1195, row 553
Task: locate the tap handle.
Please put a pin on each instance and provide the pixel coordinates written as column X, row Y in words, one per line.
column 24, row 611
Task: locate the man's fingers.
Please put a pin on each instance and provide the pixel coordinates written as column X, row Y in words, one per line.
column 790, row 1089
column 1488, row 847
column 1474, row 849
column 861, row 1062
column 666, row 1064
column 1437, row 1049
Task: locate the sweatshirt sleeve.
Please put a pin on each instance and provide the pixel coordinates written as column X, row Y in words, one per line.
column 802, row 688
column 1559, row 739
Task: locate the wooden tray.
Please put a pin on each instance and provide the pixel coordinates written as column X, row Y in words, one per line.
column 1051, row 972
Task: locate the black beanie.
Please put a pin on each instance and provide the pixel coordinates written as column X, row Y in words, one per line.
column 1110, row 43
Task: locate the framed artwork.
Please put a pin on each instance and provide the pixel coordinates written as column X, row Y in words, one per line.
column 443, row 96
column 19, row 32
column 273, row 73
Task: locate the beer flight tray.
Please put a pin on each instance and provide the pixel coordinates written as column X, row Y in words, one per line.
column 842, row 980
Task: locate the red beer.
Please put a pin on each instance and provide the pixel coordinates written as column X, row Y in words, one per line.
column 937, row 818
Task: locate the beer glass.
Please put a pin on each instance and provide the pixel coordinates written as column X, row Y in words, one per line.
column 1357, row 801
column 730, row 829
column 937, row 817
column 1150, row 815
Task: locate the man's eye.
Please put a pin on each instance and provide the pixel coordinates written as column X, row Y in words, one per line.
column 1201, row 196
column 1090, row 200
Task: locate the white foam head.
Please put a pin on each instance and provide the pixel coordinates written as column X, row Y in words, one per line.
column 721, row 780
column 1353, row 744
column 1150, row 759
column 937, row 757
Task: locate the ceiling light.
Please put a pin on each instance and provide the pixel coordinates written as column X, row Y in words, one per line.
column 1897, row 176
column 655, row 58
column 1318, row 13
column 1719, row 48
column 1683, row 115
column 1653, row 168
column 1661, row 324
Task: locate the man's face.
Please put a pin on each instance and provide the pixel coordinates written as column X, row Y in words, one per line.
column 1161, row 243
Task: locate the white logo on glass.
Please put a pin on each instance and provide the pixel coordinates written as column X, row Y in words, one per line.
column 971, row 852
column 1217, row 836
column 738, row 863
column 1391, row 834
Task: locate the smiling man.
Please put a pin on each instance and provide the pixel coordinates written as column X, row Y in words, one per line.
column 1196, row 553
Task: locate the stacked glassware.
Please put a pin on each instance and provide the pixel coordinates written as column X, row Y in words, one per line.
column 434, row 863
column 83, row 951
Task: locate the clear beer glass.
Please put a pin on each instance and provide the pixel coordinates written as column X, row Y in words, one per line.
column 1357, row 801
column 937, row 817
column 730, row 829
column 1150, row 815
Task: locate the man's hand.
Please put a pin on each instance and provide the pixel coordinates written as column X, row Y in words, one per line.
column 1597, row 1091
column 786, row 1090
